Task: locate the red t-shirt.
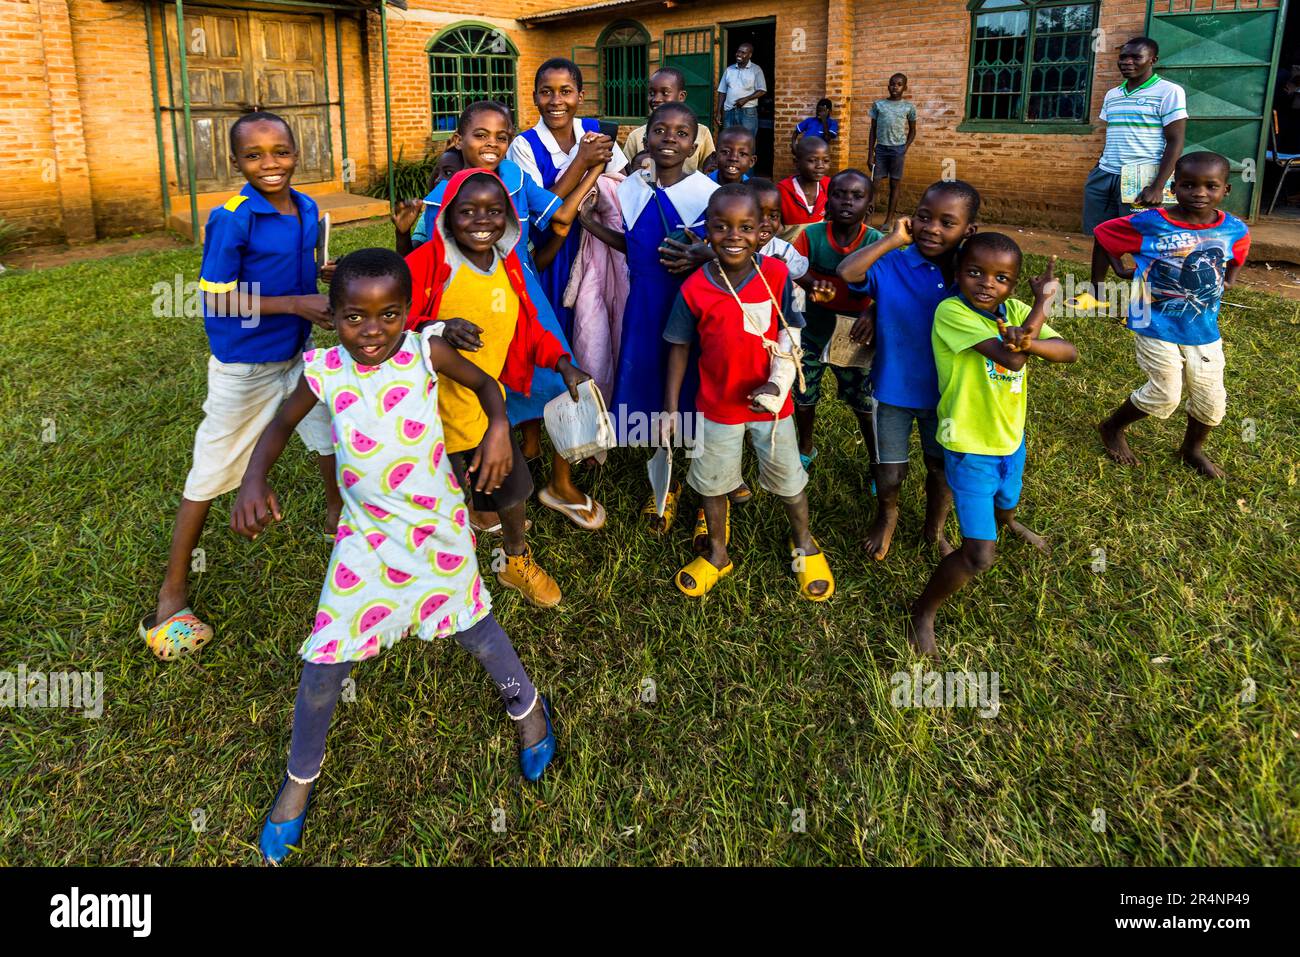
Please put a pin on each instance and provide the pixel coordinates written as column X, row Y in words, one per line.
column 793, row 210
column 733, row 360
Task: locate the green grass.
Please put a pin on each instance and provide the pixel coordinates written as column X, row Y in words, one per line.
column 764, row 703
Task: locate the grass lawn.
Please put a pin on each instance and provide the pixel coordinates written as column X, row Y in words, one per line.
column 1121, row 690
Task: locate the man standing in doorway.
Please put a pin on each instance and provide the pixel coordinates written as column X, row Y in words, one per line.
column 738, row 92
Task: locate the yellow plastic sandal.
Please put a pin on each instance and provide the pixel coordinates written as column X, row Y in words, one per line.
column 705, row 575
column 812, row 568
column 700, row 537
column 660, row 525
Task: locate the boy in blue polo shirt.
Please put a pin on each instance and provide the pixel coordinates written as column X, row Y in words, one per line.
column 908, row 273
column 260, row 298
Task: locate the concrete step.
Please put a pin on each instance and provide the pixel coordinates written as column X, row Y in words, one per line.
column 343, row 207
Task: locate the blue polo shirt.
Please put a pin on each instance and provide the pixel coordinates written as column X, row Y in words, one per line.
column 247, row 242
column 907, row 288
column 744, row 177
column 813, row 126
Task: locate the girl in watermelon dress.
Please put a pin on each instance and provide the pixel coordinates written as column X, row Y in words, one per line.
column 403, row 563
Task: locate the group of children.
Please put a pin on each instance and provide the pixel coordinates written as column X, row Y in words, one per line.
column 736, row 286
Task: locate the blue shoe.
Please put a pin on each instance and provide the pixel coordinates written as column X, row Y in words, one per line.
column 534, row 759
column 807, row 460
column 276, row 838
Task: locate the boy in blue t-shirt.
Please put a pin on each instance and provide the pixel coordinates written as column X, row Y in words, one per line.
column 260, row 298
column 907, row 274
column 821, row 125
column 1185, row 257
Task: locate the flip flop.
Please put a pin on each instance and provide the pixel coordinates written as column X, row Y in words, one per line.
column 700, row 537
column 740, row 495
column 496, row 529
column 179, row 635
column 813, row 568
column 704, row 574
column 574, row 512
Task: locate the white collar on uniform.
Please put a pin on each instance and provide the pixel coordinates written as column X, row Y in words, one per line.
column 689, row 196
column 548, row 140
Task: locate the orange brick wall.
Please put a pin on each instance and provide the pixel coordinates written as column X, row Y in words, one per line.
column 1023, row 178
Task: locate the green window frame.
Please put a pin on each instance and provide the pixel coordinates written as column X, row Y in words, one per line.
column 1031, row 65
column 624, row 56
column 469, row 61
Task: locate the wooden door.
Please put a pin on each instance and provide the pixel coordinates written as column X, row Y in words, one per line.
column 289, row 60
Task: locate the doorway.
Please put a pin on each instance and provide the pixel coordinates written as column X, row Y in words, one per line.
column 1284, row 126
column 240, row 61
column 761, row 35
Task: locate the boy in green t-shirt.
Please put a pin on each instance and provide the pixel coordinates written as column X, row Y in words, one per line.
column 982, row 340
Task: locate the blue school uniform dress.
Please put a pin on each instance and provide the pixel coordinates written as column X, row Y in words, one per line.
column 535, row 207
column 650, row 214
column 535, row 152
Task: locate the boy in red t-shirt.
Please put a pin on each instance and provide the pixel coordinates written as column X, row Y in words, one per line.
column 739, row 309
column 803, row 195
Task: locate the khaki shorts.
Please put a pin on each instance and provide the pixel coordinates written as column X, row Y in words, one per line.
column 715, row 468
column 242, row 399
column 1170, row 368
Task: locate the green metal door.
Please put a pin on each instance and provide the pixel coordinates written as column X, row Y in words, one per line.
column 691, row 51
column 1224, row 54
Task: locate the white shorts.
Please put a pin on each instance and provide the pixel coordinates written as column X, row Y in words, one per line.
column 715, row 467
column 1170, row 368
column 242, row 399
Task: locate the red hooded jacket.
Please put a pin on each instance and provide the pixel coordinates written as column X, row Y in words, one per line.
column 532, row 345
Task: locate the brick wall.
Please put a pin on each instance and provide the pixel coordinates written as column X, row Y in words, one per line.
column 1023, row 178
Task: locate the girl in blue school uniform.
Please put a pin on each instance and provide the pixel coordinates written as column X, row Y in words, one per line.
column 654, row 208
column 482, row 136
column 552, row 154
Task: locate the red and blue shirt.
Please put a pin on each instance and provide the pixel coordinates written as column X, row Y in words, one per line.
column 1181, row 268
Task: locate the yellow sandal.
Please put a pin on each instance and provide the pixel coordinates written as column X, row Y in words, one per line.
column 705, row 574
column 700, row 537
column 659, row 525
column 812, row 568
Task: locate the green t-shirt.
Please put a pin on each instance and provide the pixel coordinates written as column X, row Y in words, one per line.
column 981, row 404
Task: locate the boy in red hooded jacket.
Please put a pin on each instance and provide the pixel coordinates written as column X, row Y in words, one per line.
column 469, row 281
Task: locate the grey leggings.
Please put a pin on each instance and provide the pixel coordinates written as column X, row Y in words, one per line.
column 319, row 687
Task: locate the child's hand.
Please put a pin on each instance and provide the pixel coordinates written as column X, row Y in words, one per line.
column 493, row 459
column 678, row 257
column 767, row 388
column 666, row 428
column 1017, row 338
column 315, row 308
column 1045, row 285
column 462, row 334
column 1153, row 195
column 823, row 290
column 864, row 330
column 572, row 376
column 255, row 508
column 407, row 213
column 901, row 234
column 327, row 271
column 595, row 150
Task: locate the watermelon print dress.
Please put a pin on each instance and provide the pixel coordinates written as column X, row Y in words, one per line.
column 403, row 561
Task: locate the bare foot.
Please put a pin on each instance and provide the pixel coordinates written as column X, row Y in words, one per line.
column 1198, row 460
column 1116, row 445
column 941, row 544
column 882, row 533
column 920, row 635
column 332, row 512
column 1033, row 538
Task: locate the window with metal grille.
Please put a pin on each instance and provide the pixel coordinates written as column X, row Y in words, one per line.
column 468, row 63
column 1030, row 61
column 624, row 71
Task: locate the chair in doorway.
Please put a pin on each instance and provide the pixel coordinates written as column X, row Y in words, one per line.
column 1286, row 162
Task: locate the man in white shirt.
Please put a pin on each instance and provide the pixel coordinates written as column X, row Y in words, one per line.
column 739, row 90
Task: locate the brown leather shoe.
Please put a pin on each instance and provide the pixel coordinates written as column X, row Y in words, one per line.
column 529, row 579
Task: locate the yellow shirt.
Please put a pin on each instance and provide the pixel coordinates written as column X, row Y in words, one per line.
column 487, row 301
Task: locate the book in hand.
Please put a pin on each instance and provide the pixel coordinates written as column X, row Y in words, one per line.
column 841, row 350
column 660, row 469
column 1135, row 177
column 323, row 241
column 579, row 430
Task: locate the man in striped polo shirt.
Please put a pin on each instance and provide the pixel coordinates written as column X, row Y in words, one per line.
column 1146, row 122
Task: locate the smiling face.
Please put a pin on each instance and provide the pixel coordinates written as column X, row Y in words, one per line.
column 485, row 140
column 744, row 53
column 266, row 156
column 733, row 230
column 941, row 221
column 557, row 98
column 987, row 276
column 769, row 215
column 848, row 201
column 670, row 138
column 370, row 317
column 1201, row 185
column 1135, row 60
column 478, row 215
column 735, row 156
column 665, row 89
column 813, row 160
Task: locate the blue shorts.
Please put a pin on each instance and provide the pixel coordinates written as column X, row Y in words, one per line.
column 980, row 484
column 892, row 425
